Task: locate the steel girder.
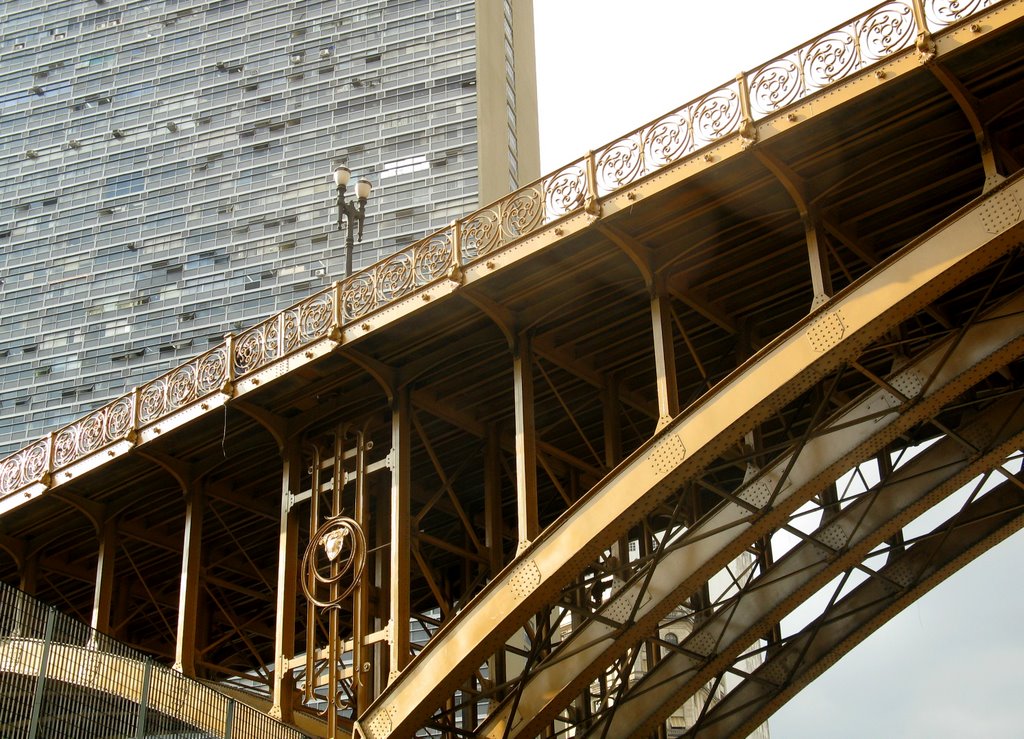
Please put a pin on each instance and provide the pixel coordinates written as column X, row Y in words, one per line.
column 982, row 523
column 841, row 542
column 849, row 438
column 833, row 334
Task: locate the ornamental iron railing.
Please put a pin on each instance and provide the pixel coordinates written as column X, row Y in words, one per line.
column 731, row 110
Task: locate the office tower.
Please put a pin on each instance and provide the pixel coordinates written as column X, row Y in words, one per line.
column 165, row 167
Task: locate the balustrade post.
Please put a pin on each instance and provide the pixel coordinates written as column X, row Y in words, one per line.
column 455, row 272
column 335, row 334
column 591, row 204
column 47, row 475
column 747, row 128
column 229, row 718
column 228, row 388
column 925, row 44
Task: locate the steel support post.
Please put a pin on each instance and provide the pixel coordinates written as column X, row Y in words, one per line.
column 103, row 594
column 821, row 278
column 664, row 357
column 527, row 518
column 361, row 598
column 287, row 582
column 612, row 422
column 28, row 574
column 493, row 522
column 494, row 532
column 188, row 594
column 28, row 580
column 401, row 441
column 381, row 569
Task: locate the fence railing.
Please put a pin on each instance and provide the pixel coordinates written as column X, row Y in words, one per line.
column 878, row 34
column 58, row 677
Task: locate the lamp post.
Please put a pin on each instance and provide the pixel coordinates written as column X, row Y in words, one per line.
column 349, row 209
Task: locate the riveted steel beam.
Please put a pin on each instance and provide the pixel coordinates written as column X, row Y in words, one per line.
column 983, row 523
column 842, row 443
column 287, row 581
column 840, row 542
column 929, row 266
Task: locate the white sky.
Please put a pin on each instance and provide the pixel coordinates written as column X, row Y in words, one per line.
column 948, row 666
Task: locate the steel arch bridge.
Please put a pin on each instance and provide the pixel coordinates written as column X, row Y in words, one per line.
column 622, row 401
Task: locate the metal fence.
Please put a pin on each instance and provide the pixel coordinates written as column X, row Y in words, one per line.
column 60, row 678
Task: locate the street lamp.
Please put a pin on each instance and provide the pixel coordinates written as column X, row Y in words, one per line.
column 348, row 209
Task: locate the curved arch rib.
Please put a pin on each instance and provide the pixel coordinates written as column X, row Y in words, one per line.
column 926, row 268
column 841, row 542
column 907, row 576
column 848, row 439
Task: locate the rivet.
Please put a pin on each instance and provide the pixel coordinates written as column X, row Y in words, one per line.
column 365, row 327
column 880, row 74
column 630, row 196
column 791, row 117
column 490, row 265
column 205, row 406
column 308, row 355
column 426, row 298
column 708, row 158
column 976, row 27
column 559, row 232
column 255, row 381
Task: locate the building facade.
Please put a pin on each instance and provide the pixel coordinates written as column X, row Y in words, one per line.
column 165, row 167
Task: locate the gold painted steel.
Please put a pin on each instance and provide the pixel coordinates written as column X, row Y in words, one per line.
column 926, row 480
column 940, row 259
column 905, row 578
column 846, row 441
column 660, row 154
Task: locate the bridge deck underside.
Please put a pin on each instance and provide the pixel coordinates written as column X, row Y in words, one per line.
column 721, row 259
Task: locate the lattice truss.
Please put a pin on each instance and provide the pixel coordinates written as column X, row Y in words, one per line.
column 654, row 439
column 845, row 512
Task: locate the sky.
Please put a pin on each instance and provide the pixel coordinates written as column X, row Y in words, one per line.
column 950, row 664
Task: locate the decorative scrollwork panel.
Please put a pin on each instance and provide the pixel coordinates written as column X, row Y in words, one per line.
column 716, row 115
column 433, row 257
column 832, row 57
column 480, row 234
column 358, row 295
column 152, row 400
column 395, row 276
column 564, row 191
column 315, row 316
column 521, row 213
column 941, row 13
column 24, row 467
column 668, row 139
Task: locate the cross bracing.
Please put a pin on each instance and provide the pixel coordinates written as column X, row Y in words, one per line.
column 675, row 351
